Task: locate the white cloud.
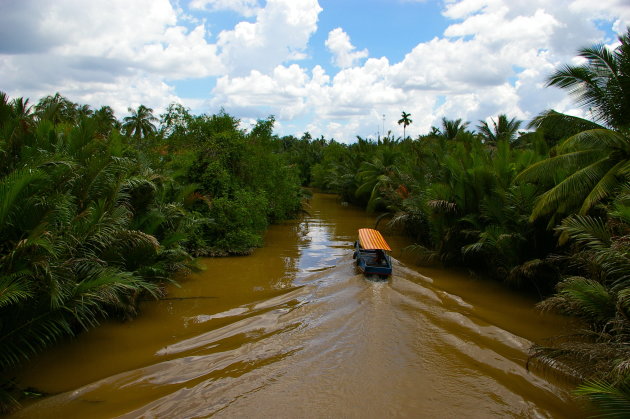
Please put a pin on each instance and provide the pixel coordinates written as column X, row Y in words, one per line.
column 283, row 92
column 617, row 10
column 344, row 54
column 246, row 8
column 493, row 58
column 115, row 52
column 279, row 34
column 466, row 8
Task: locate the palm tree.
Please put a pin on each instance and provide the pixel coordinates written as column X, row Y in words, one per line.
column 105, row 120
column 405, row 121
column 602, row 83
column 594, row 161
column 598, row 294
column 377, row 176
column 82, row 235
column 451, row 128
column 502, row 129
column 84, row 111
column 140, row 123
column 57, row 109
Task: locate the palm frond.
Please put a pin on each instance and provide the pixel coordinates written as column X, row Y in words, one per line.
column 584, row 298
column 545, row 170
column 15, row 288
column 561, row 125
column 607, row 185
column 612, row 400
column 593, row 139
column 13, row 189
column 587, row 231
column 571, row 192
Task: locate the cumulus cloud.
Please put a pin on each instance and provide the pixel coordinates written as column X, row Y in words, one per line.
column 283, row 92
column 344, row 54
column 492, row 58
column 279, row 34
column 112, row 48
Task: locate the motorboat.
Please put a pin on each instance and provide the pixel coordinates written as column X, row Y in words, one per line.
column 370, row 252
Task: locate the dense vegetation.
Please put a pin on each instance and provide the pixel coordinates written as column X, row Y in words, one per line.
column 95, row 213
column 546, row 211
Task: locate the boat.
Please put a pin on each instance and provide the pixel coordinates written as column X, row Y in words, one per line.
column 370, row 252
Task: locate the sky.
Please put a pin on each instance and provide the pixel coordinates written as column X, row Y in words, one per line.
column 337, row 68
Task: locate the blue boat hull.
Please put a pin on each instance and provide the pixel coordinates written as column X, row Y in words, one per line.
column 373, row 262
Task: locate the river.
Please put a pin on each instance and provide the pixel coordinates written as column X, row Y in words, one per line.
column 294, row 331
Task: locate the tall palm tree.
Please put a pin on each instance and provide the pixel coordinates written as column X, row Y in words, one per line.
column 502, row 129
column 140, row 123
column 405, row 121
column 594, row 161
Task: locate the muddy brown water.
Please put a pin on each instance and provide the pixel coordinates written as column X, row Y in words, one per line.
column 294, row 331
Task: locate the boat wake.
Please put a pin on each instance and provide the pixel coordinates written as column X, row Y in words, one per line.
column 337, row 345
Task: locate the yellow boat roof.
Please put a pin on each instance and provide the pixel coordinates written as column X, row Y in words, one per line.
column 372, row 239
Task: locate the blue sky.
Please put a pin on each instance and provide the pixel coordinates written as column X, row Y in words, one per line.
column 330, row 67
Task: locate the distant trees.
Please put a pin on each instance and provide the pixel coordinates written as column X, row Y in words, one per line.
column 106, row 120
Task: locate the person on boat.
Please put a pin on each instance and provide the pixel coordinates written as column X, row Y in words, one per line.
column 379, row 257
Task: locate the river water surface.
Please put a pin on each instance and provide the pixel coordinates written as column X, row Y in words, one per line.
column 294, row 331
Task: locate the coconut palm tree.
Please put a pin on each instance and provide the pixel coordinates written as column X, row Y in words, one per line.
column 602, row 83
column 140, row 123
column 84, row 111
column 405, row 121
column 594, row 161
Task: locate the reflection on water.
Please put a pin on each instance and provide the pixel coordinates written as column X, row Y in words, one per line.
column 295, row 331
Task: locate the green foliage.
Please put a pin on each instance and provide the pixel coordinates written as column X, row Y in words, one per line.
column 612, row 400
column 593, row 160
column 246, row 182
column 239, row 222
